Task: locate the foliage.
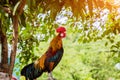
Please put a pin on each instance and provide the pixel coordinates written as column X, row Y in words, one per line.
column 104, row 24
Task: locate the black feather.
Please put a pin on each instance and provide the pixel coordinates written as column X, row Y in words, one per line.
column 30, row 72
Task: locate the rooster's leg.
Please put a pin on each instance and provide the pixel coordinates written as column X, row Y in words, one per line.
column 50, row 77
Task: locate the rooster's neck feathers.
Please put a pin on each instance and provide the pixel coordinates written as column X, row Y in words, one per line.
column 56, row 43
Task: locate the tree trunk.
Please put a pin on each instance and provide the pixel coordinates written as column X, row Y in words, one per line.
column 14, row 44
column 4, row 50
column 15, row 35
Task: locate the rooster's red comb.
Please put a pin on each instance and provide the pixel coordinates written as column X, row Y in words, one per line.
column 60, row 29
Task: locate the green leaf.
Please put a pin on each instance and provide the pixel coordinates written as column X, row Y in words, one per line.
column 17, row 73
column 106, row 43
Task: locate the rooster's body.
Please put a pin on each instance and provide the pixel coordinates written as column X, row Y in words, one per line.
column 48, row 61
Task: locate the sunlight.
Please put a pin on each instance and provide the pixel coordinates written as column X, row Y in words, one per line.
column 117, row 1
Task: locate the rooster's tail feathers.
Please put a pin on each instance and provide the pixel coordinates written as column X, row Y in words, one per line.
column 30, row 72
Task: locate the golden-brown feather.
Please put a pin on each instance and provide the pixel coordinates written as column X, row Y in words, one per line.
column 56, row 43
column 40, row 62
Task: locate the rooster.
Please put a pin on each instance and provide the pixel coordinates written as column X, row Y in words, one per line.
column 48, row 61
